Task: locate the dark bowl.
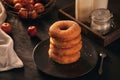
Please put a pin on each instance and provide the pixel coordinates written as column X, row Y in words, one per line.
column 48, row 5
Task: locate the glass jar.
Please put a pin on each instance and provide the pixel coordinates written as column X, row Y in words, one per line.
column 101, row 20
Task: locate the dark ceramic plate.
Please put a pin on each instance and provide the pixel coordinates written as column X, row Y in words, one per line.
column 84, row 65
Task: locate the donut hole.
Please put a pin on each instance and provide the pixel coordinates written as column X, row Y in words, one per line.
column 64, row 27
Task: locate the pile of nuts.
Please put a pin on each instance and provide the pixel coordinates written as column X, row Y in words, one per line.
column 27, row 8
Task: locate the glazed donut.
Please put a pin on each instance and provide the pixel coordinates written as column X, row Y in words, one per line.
column 65, row 44
column 64, row 30
column 65, row 51
column 65, row 59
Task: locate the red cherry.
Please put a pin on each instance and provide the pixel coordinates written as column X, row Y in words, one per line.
column 32, row 31
column 6, row 27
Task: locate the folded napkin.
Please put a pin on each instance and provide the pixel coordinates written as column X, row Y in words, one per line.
column 8, row 56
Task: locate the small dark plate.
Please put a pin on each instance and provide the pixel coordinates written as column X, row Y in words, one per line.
column 84, row 65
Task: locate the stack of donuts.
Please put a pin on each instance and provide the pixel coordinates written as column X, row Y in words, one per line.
column 65, row 42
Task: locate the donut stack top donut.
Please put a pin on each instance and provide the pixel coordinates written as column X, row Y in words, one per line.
column 64, row 30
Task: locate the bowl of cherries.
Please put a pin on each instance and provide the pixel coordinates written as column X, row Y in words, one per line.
column 29, row 9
